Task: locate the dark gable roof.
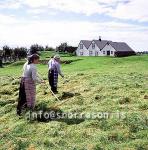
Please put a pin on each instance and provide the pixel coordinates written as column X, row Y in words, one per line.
column 121, row 46
column 118, row 46
column 86, row 43
column 101, row 44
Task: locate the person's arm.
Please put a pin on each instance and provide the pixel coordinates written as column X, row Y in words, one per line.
column 25, row 65
column 24, row 68
column 35, row 76
column 58, row 66
column 40, row 78
column 49, row 65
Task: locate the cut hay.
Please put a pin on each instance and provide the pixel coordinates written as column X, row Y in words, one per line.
column 6, row 91
column 66, row 95
column 6, row 102
column 15, row 82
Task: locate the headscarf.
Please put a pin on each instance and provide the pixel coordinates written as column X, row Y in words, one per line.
column 57, row 57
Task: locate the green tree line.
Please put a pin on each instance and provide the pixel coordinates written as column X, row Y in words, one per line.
column 8, row 54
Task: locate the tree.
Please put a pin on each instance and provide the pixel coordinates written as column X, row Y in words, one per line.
column 71, row 49
column 47, row 48
column 34, row 49
column 19, row 53
column 62, row 47
column 7, row 53
column 15, row 54
column 1, row 58
column 22, row 52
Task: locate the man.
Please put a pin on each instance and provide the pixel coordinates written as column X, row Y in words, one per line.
column 54, row 69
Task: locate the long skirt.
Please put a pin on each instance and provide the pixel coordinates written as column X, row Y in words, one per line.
column 27, row 94
column 53, row 79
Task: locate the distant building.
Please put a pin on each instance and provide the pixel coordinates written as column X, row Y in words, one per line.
column 103, row 48
column 142, row 53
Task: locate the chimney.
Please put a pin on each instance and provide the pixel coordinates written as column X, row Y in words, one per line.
column 100, row 38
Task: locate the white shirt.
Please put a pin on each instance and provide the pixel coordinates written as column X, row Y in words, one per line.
column 50, row 64
column 30, row 71
column 53, row 64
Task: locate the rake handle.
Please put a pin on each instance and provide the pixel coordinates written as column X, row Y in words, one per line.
column 52, row 92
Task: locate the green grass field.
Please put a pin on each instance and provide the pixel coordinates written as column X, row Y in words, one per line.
column 100, row 84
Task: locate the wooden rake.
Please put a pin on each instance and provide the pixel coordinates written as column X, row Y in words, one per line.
column 61, row 102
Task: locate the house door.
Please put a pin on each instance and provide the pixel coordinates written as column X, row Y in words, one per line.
column 108, row 53
column 96, row 53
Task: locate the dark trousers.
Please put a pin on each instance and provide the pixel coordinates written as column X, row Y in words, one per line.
column 51, row 81
column 22, row 103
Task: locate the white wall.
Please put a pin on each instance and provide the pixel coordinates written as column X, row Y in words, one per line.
column 108, row 48
column 103, row 52
column 94, row 50
column 84, row 50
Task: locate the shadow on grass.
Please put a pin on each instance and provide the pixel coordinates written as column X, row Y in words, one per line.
column 66, row 95
column 43, row 113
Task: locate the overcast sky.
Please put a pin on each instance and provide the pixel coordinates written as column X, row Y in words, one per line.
column 50, row 22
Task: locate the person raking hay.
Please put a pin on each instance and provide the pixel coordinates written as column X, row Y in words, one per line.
column 54, row 69
column 29, row 79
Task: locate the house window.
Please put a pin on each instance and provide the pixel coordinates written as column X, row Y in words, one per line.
column 81, row 46
column 104, row 52
column 93, row 45
column 81, row 53
column 90, row 53
column 111, row 52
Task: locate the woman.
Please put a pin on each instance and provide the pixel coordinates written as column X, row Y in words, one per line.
column 27, row 92
column 54, row 70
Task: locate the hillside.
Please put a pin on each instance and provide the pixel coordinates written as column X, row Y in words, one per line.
column 99, row 85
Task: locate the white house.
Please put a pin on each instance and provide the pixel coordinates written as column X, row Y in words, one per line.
column 82, row 49
column 103, row 48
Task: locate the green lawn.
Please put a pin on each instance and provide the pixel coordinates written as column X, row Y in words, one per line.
column 100, row 84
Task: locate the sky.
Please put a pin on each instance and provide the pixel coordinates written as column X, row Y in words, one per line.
column 51, row 22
